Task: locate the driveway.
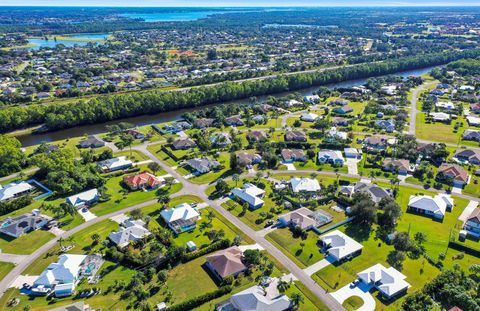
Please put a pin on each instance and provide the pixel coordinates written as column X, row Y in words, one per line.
column 119, row 218
column 318, row 266
column 352, row 165
column 87, row 215
column 468, row 210
column 22, row 279
column 290, row 166
column 361, row 290
column 56, row 231
column 251, row 247
column 457, row 190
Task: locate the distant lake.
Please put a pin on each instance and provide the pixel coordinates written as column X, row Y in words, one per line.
column 50, row 43
column 170, row 17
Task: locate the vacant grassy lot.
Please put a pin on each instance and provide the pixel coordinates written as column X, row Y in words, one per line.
column 25, row 244
column 5, row 268
column 291, row 246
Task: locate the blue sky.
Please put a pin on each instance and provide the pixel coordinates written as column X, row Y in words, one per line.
column 180, row 3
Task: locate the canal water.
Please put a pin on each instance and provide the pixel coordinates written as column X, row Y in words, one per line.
column 34, row 139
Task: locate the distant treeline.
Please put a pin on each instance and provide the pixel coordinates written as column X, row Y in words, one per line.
column 63, row 115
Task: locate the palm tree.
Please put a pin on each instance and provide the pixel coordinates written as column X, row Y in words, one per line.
column 296, row 299
column 283, row 286
column 95, row 238
column 236, row 178
column 210, row 216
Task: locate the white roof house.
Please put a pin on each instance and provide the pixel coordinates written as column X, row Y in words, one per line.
column 440, row 116
column 251, row 194
column 473, row 121
column 333, row 157
column 256, row 298
column 14, row 189
column 83, row 198
column 445, row 105
column 309, row 117
column 181, row 218
column 65, row 271
column 434, row 206
column 389, row 281
column 304, row 184
column 340, row 246
column 333, row 132
column 351, row 152
column 130, row 231
column 115, row 164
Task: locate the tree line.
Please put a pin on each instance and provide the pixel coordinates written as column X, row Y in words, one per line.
column 63, row 115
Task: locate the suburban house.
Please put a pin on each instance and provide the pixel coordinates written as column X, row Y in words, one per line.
column 304, row 185
column 181, row 218
column 388, row 281
column 202, row 165
column 84, row 198
column 475, row 108
column 22, row 224
column 333, row 157
column 143, row 180
column 340, row 246
column 255, row 136
column 376, row 143
column 342, row 110
column 14, row 190
column 312, row 99
column 425, row 149
column 184, row 144
column 257, row 298
column 431, row 206
column 131, row 231
column 60, row 277
column 304, row 219
column 334, row 135
column 292, row 155
column 203, row 123
column 235, row 121
column 249, row 158
column 339, row 121
column 388, row 125
column 251, row 194
column 309, row 117
column 468, row 155
column 352, row 153
column 135, row 134
column 295, row 136
column 455, row 172
column 445, row 105
column 226, row 262
column 220, row 139
column 91, row 142
column 115, row 164
column 473, row 121
column 177, row 127
column 338, row 102
column 440, row 116
column 472, row 223
column 471, row 135
column 376, row 193
column 401, row 166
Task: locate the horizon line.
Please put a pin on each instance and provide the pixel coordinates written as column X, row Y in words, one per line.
column 247, row 6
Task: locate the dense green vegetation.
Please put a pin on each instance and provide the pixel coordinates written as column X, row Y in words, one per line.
column 63, row 115
column 12, row 158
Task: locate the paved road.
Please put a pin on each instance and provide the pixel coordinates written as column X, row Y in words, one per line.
column 26, row 172
column 413, row 108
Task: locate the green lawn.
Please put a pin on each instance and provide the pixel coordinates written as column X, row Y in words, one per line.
column 353, row 303
column 291, row 247
column 25, row 244
column 5, row 268
column 161, row 155
column 134, row 155
column 473, row 187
